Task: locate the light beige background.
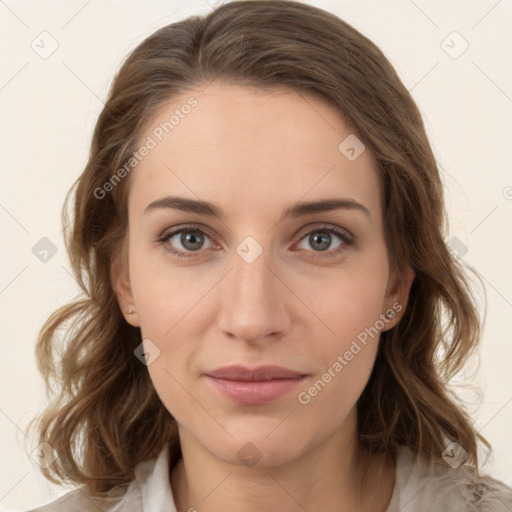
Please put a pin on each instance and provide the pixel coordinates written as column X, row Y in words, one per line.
column 49, row 107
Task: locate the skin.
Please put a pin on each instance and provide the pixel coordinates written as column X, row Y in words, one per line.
column 254, row 153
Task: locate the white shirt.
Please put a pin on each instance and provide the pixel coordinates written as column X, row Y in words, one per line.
column 419, row 487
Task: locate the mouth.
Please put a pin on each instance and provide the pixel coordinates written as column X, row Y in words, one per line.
column 254, row 386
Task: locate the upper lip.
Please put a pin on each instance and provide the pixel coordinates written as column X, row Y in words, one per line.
column 269, row 372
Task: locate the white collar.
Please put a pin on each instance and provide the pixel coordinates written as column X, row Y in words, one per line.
column 419, row 486
column 154, row 485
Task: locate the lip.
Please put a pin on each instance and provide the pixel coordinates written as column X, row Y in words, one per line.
column 268, row 372
column 254, row 386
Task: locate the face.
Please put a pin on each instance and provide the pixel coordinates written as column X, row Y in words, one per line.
column 259, row 283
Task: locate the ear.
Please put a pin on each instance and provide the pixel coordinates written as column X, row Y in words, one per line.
column 120, row 280
column 397, row 296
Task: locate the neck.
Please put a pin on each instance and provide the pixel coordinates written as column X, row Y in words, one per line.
column 328, row 478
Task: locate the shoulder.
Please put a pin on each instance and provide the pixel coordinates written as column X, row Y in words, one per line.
column 466, row 491
column 78, row 500
column 149, row 490
column 422, row 486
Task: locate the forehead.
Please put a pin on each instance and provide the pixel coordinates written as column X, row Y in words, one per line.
column 251, row 146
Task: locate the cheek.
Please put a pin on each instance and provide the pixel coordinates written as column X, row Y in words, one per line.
column 344, row 358
column 351, row 312
column 170, row 304
column 165, row 294
column 352, row 302
column 167, row 306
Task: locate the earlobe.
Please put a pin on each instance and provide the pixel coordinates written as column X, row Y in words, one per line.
column 120, row 280
column 398, row 297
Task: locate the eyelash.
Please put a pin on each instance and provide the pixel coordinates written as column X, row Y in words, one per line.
column 342, row 236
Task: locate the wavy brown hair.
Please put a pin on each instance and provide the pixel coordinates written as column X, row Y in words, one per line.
column 105, row 416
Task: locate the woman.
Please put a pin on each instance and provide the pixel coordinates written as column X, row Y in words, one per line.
column 218, row 357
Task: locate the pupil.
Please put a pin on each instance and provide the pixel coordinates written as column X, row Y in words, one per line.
column 325, row 237
column 190, row 238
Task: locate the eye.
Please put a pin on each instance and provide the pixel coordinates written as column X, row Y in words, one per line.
column 192, row 240
column 321, row 239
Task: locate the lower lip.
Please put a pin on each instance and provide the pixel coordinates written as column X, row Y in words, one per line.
column 254, row 392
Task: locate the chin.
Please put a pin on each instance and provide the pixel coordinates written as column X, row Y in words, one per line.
column 256, row 445
column 255, row 453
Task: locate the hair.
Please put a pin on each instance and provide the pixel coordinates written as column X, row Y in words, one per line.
column 104, row 416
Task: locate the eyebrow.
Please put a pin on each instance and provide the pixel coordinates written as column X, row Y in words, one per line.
column 297, row 210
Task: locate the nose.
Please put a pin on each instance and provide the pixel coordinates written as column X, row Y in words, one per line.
column 254, row 301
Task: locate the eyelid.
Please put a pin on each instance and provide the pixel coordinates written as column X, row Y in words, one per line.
column 186, row 227
column 320, row 226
